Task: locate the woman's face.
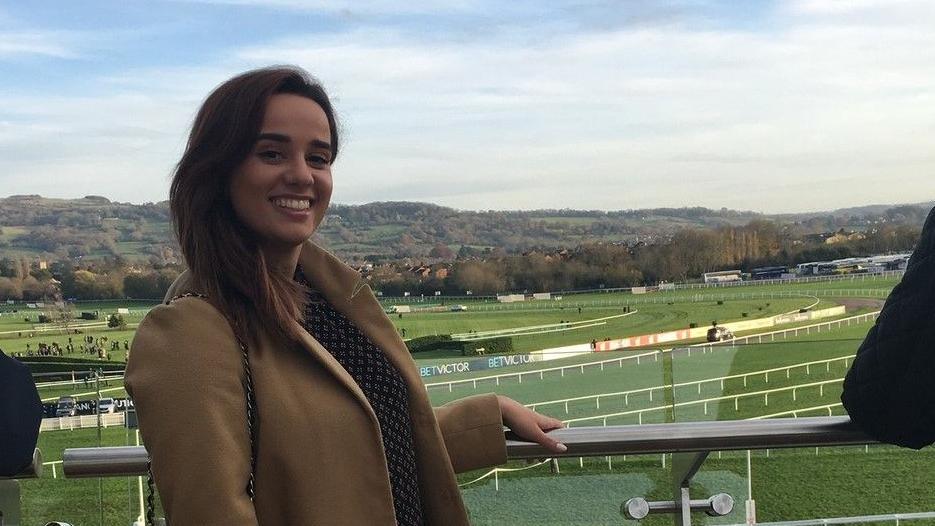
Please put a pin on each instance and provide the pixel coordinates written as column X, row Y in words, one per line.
column 282, row 189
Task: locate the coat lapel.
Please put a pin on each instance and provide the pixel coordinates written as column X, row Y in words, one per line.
column 350, row 295
column 312, row 257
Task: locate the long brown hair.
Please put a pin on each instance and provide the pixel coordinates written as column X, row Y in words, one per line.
column 221, row 252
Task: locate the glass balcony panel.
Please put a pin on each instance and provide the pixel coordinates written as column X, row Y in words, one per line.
column 792, row 374
column 80, row 501
column 591, row 389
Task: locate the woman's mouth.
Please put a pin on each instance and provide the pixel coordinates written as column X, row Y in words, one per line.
column 292, row 204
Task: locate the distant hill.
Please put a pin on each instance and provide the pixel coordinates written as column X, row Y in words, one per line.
column 95, row 227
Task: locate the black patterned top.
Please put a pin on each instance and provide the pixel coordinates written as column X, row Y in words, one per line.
column 384, row 388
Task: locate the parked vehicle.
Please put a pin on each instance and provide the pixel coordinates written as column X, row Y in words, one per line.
column 106, row 405
column 719, row 334
column 458, row 308
column 67, row 406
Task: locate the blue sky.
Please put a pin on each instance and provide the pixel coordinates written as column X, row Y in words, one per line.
column 475, row 104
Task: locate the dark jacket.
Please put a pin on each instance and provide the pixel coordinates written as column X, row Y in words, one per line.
column 889, row 391
column 20, row 416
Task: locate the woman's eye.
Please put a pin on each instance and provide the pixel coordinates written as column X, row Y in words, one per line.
column 317, row 160
column 270, row 155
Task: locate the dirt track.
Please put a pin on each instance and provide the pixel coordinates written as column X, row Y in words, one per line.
column 852, row 304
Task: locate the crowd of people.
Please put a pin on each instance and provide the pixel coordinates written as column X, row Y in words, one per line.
column 101, row 347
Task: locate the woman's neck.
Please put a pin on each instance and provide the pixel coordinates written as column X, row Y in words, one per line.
column 282, row 260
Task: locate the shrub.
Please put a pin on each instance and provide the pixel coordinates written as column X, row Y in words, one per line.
column 502, row 345
column 58, row 364
column 115, row 321
column 430, row 343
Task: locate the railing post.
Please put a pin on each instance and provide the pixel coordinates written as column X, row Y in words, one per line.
column 684, row 467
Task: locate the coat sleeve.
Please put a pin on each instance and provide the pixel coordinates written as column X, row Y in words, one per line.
column 185, row 376
column 472, row 428
column 889, row 390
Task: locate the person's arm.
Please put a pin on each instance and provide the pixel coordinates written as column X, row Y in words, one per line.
column 185, row 377
column 20, row 416
column 473, row 429
column 889, row 391
column 473, row 432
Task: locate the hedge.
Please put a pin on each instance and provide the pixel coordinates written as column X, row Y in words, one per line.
column 502, row 345
column 62, row 364
column 60, row 359
column 431, row 343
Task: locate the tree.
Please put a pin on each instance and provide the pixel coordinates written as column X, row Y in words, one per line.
column 116, row 321
column 64, row 312
column 442, row 251
column 480, row 277
column 10, row 289
column 33, row 289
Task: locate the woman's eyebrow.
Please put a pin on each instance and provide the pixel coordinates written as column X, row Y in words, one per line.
column 279, row 137
column 275, row 137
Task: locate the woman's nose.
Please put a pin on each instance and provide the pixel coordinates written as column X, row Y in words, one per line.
column 300, row 173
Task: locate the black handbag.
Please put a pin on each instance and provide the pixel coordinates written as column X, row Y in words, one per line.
column 251, row 423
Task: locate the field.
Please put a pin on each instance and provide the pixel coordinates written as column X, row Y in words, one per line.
column 662, row 387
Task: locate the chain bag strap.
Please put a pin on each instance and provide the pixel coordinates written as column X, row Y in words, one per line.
column 251, row 423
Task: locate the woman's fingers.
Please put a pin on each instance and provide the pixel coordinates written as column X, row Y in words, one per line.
column 550, row 443
column 543, row 425
column 530, row 425
column 550, row 424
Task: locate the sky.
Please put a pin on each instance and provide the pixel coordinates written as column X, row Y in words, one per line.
column 770, row 106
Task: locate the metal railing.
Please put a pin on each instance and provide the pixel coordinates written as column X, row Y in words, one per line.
column 689, row 442
column 581, row 441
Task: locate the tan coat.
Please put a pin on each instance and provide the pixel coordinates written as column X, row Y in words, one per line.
column 320, row 457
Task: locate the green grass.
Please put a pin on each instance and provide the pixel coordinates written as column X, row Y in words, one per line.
column 649, row 318
column 836, row 480
column 77, row 501
column 788, row 485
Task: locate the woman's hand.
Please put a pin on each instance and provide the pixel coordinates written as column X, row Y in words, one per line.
column 530, row 425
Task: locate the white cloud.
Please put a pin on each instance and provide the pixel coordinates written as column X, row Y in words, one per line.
column 53, row 44
column 812, row 114
column 353, row 7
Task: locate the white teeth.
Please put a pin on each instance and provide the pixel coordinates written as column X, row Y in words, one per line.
column 294, row 204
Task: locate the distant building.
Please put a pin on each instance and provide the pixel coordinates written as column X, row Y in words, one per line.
column 769, row 273
column 723, row 276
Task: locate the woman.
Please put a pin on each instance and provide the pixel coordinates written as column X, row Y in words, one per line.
column 271, row 388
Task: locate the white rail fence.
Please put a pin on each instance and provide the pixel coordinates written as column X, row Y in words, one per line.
column 82, row 422
column 807, row 366
column 87, row 382
column 663, row 297
column 541, row 372
column 705, row 347
column 784, row 334
column 704, row 402
column 870, row 276
column 53, row 464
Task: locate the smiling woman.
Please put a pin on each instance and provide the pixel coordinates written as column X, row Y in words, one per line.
column 271, row 388
column 282, row 189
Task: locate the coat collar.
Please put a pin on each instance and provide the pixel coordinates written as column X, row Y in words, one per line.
column 350, row 295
